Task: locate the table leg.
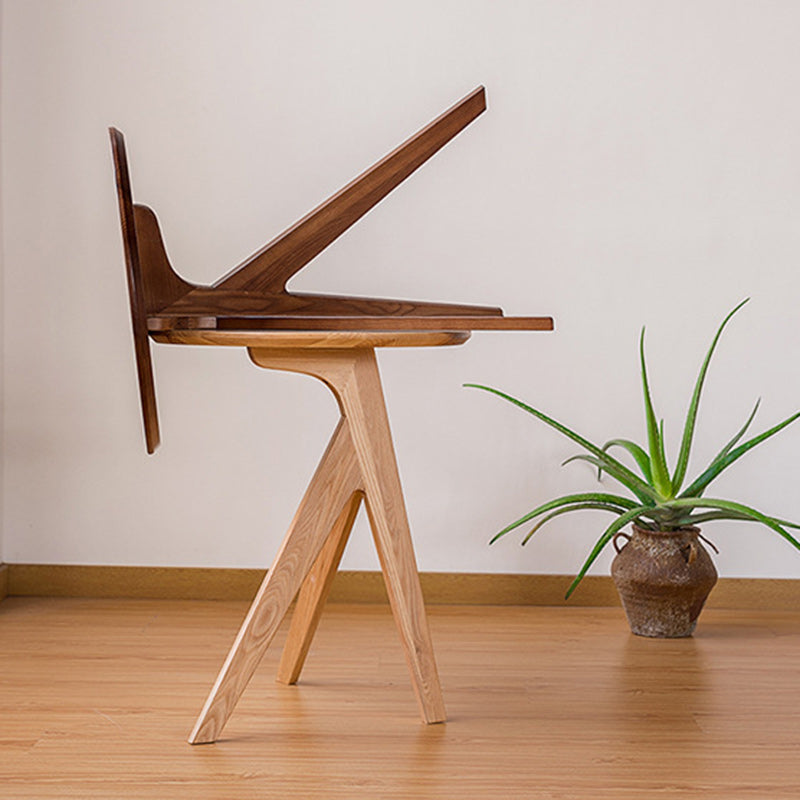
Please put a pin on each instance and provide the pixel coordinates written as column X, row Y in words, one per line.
column 336, row 479
column 365, row 410
column 314, row 593
column 359, row 462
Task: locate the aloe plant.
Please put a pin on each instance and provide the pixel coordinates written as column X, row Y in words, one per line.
column 660, row 502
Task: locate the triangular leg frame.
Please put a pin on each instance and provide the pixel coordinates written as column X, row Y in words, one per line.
column 359, row 463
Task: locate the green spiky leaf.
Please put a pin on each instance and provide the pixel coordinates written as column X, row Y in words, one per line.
column 657, row 507
column 639, row 456
column 658, row 465
column 739, row 434
column 583, row 497
column 742, row 512
column 719, row 464
column 691, row 414
column 616, row 509
column 631, row 480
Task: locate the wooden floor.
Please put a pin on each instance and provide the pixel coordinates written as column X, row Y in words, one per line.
column 97, row 698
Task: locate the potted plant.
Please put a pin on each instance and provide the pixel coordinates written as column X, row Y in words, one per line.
column 663, row 573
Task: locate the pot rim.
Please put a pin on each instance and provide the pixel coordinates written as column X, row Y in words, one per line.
column 685, row 529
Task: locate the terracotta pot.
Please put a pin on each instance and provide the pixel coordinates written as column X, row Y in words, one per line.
column 663, row 579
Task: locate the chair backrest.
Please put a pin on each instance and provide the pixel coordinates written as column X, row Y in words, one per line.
column 152, row 283
column 254, row 295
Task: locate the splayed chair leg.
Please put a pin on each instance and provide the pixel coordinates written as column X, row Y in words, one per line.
column 314, row 593
column 358, row 464
column 333, row 484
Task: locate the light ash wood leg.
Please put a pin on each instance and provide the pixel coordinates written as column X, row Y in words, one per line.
column 365, row 410
column 353, row 377
column 313, row 594
column 336, row 479
column 360, row 461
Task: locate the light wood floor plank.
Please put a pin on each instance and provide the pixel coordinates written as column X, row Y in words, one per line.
column 96, row 697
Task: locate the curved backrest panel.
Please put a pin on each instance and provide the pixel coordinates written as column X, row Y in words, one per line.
column 136, row 293
column 161, row 286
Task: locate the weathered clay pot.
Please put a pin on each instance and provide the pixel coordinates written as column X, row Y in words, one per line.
column 663, row 579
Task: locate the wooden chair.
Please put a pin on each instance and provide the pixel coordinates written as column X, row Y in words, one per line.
column 331, row 338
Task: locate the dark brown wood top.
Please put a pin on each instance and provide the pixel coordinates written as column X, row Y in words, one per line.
column 253, row 296
column 352, row 323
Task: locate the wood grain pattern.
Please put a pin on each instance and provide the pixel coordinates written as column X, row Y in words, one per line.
column 352, row 323
column 546, row 704
column 314, row 340
column 314, row 593
column 136, row 293
column 353, row 377
column 359, row 462
column 364, row 407
column 269, row 269
column 360, row 459
column 336, row 479
column 230, row 303
column 254, row 296
column 257, row 288
column 161, row 285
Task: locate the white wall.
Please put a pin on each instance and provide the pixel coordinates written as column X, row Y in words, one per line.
column 2, row 370
column 638, row 163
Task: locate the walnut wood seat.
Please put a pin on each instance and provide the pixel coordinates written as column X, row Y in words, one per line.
column 331, row 338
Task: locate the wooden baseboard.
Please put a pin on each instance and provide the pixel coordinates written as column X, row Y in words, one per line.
column 186, row 583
